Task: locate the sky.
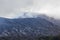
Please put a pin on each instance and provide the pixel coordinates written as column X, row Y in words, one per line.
column 15, row 8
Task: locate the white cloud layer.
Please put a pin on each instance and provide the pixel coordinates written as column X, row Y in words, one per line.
column 13, row 8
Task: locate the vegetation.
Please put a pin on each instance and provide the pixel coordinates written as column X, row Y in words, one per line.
column 28, row 38
column 28, row 29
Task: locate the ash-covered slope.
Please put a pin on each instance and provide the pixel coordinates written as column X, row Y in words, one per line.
column 28, row 27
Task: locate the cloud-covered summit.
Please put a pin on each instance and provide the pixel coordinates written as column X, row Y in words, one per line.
column 13, row 8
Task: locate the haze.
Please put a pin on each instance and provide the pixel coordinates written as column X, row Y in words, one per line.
column 15, row 8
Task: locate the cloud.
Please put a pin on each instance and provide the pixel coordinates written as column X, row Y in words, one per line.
column 48, row 7
column 13, row 8
column 9, row 8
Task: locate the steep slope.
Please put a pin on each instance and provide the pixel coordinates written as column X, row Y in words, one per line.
column 39, row 26
column 32, row 27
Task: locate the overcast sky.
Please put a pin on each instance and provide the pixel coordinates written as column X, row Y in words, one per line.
column 13, row 8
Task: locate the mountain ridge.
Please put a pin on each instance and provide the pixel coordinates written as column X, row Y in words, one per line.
column 28, row 27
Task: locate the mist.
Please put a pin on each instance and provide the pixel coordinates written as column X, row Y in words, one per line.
column 16, row 8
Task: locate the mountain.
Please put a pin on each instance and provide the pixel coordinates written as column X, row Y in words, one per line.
column 32, row 27
column 40, row 26
column 53, row 20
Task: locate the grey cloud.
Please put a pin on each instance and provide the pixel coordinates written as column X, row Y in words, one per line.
column 13, row 8
column 48, row 7
column 10, row 7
